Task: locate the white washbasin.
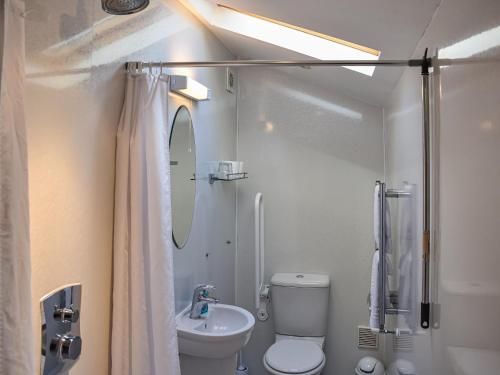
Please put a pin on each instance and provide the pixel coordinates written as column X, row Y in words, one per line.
column 226, row 330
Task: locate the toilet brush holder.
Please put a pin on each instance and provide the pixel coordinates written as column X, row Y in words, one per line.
column 241, row 368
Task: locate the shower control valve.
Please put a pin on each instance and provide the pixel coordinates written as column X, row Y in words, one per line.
column 68, row 347
column 66, row 315
column 61, row 344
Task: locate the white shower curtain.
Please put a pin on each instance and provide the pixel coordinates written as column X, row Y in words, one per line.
column 16, row 335
column 144, row 338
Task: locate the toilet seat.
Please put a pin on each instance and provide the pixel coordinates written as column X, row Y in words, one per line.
column 296, row 357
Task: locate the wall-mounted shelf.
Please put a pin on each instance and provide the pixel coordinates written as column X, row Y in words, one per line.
column 212, row 177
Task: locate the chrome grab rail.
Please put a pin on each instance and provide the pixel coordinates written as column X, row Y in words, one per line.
column 259, row 246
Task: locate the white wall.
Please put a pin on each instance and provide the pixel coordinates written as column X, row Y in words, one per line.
column 466, row 256
column 315, row 156
column 74, row 95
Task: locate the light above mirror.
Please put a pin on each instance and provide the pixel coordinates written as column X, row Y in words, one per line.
column 189, row 87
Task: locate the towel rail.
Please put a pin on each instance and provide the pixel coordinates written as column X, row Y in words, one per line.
column 391, row 311
column 391, row 193
column 382, row 264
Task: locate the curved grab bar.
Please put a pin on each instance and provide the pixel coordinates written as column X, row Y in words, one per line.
column 259, row 246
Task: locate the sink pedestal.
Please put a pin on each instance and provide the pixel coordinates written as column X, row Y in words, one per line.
column 191, row 365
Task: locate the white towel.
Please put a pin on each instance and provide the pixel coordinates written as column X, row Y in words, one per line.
column 376, row 221
column 407, row 249
column 374, row 305
column 374, row 290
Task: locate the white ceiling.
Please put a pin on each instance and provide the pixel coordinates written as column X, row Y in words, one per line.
column 391, row 26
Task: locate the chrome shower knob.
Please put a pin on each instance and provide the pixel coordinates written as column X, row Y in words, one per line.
column 68, row 347
column 71, row 347
column 67, row 315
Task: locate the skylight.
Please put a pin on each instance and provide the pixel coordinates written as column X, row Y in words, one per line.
column 472, row 46
column 294, row 38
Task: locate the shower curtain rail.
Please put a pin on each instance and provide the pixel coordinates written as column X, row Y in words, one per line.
column 299, row 63
column 308, row 63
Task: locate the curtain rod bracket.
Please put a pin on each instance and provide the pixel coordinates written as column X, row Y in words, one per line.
column 425, row 63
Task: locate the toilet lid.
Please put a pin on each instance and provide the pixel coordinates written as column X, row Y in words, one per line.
column 294, row 356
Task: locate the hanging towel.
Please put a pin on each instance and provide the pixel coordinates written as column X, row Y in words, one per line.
column 16, row 334
column 376, row 221
column 374, row 309
column 374, row 290
column 407, row 250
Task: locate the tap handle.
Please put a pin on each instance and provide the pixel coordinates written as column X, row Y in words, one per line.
column 203, row 290
column 204, row 287
column 208, row 291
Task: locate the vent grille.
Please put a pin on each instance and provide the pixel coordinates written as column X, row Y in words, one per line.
column 367, row 339
column 403, row 342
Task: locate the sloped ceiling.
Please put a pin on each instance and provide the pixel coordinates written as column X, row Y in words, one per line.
column 391, row 26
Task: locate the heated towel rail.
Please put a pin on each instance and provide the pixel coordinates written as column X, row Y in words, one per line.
column 382, row 297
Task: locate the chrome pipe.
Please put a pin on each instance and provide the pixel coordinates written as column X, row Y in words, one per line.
column 426, row 190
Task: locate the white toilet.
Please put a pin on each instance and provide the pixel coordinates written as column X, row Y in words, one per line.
column 300, row 311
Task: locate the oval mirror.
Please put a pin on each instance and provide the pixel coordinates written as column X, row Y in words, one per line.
column 182, row 174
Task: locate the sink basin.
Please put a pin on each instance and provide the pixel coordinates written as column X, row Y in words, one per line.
column 223, row 333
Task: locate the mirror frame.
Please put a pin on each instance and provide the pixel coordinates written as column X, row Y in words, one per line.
column 172, row 126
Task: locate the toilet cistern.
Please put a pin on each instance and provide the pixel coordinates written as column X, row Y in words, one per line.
column 202, row 296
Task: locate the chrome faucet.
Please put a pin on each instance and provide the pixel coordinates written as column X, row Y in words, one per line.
column 201, row 299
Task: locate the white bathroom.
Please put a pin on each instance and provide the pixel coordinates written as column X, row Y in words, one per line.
column 205, row 186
